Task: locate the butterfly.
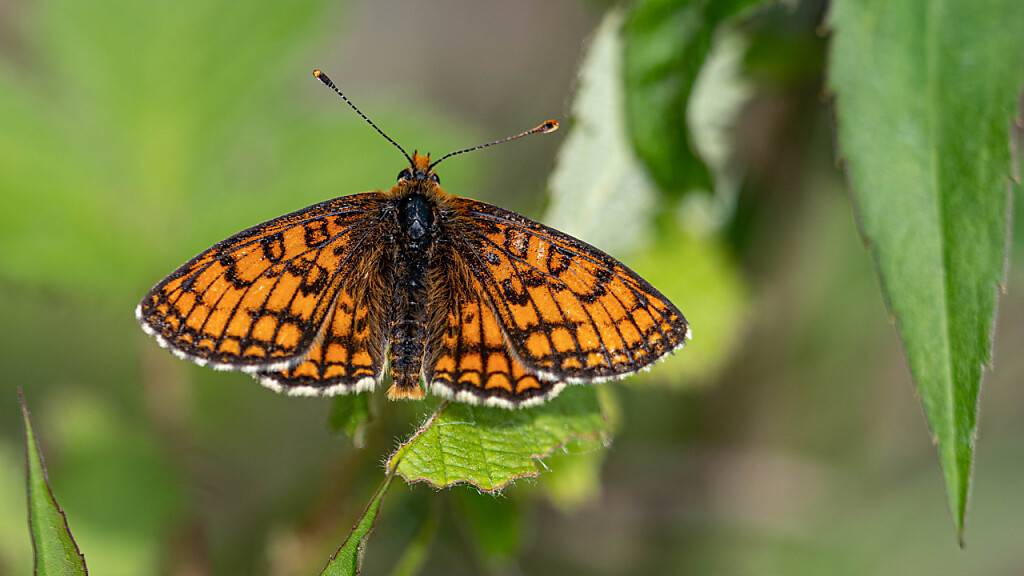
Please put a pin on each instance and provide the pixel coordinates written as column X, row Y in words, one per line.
column 449, row 295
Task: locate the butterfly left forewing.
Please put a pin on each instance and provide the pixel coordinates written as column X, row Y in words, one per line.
column 258, row 299
column 569, row 311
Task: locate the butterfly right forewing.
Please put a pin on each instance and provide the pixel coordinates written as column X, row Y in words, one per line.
column 569, row 311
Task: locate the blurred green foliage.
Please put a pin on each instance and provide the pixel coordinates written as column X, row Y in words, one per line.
column 134, row 135
column 351, row 415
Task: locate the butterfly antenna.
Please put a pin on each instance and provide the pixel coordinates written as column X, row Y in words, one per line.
column 547, row 127
column 330, row 84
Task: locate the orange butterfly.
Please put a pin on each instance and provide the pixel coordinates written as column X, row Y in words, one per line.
column 480, row 304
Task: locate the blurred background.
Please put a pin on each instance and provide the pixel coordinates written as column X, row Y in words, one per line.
column 786, row 439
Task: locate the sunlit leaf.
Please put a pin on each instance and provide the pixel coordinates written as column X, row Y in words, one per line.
column 348, row 560
column 925, row 94
column 491, row 447
column 56, row 552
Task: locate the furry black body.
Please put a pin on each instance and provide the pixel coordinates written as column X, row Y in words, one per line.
column 413, row 250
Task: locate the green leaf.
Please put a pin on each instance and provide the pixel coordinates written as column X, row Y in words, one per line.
column 348, row 560
column 666, row 45
column 925, row 94
column 56, row 552
column 491, row 447
column 350, row 414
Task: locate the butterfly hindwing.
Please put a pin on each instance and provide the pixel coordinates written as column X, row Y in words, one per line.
column 258, row 300
column 570, row 312
column 349, row 355
column 468, row 358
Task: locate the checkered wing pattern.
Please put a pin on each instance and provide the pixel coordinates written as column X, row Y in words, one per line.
column 568, row 312
column 470, row 360
column 268, row 297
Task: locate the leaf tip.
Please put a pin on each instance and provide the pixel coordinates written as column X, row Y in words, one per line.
column 67, row 554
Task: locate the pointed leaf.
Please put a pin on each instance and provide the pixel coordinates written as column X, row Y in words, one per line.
column 925, row 94
column 56, row 552
column 491, row 447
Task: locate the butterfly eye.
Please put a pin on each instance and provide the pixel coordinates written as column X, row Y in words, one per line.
column 404, row 175
column 435, row 178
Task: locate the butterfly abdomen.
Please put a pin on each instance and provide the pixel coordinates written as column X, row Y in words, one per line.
column 413, row 251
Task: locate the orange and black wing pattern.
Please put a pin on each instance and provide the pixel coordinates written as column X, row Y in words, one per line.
column 569, row 312
column 349, row 354
column 468, row 358
column 267, row 298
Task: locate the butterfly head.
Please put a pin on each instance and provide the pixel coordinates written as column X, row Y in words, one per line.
column 419, row 170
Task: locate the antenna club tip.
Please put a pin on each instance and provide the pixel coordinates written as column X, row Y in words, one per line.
column 548, row 126
column 321, row 76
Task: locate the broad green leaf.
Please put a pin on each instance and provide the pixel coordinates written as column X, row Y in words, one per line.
column 925, row 94
column 666, row 44
column 348, row 560
column 56, row 552
column 350, row 414
column 491, row 447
